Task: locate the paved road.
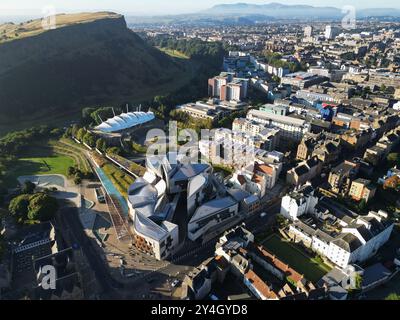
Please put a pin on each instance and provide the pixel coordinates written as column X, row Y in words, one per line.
column 113, row 289
column 183, row 264
column 257, row 223
column 70, row 218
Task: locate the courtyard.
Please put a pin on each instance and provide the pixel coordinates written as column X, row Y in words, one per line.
column 311, row 268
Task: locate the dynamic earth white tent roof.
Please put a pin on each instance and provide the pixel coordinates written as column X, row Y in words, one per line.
column 125, row 121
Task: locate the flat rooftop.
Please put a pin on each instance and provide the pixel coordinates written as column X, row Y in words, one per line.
column 277, row 118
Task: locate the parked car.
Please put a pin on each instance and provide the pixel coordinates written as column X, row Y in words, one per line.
column 175, row 283
column 263, row 215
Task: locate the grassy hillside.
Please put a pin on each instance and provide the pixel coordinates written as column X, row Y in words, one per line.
column 12, row 31
column 88, row 60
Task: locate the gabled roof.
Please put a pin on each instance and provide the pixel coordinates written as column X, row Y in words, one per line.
column 263, row 168
column 260, row 285
column 348, row 242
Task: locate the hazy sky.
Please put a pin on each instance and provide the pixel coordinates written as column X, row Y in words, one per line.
column 157, row 7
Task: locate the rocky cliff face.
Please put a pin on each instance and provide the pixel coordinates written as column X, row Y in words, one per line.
column 78, row 65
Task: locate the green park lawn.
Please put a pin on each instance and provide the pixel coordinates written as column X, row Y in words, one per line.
column 311, row 268
column 52, row 164
column 174, row 53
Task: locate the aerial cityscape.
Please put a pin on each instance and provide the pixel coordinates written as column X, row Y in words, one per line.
column 209, row 152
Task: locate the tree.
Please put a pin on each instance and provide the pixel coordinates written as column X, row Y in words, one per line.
column 56, row 133
column 393, row 159
column 101, row 144
column 366, row 90
column 86, row 116
column 393, row 296
column 179, row 116
column 358, row 281
column 28, row 187
column 74, row 130
column 71, row 171
column 280, row 220
column 362, row 206
column 68, row 133
column 276, row 79
column 42, row 207
column 19, row 206
column 159, row 100
column 139, row 148
column 80, row 134
column 77, row 180
column 114, row 150
column 89, row 139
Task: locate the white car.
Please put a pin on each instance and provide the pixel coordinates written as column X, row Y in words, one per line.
column 175, row 283
column 263, row 215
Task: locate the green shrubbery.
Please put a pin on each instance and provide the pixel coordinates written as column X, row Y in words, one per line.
column 121, row 180
column 27, row 208
column 139, row 148
column 78, row 175
column 393, row 296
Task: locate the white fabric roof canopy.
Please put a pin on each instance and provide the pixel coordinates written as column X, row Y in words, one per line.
column 125, row 121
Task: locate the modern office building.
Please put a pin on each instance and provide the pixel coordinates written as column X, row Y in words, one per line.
column 308, row 31
column 301, row 80
column 331, row 32
column 291, row 128
column 227, row 88
column 152, row 201
column 170, row 193
column 235, row 148
column 203, row 110
column 212, row 109
column 269, row 136
column 210, row 215
column 280, row 110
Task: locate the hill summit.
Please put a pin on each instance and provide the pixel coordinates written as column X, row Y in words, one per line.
column 88, row 60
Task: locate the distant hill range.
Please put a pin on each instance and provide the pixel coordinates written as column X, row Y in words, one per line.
column 253, row 13
column 88, row 60
column 278, row 10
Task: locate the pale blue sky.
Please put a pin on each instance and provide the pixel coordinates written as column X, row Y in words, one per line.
column 158, row 7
